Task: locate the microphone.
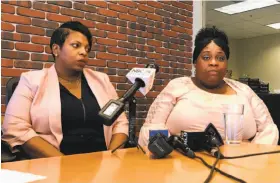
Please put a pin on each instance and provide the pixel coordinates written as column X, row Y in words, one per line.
column 178, row 143
column 159, row 146
column 209, row 140
column 142, row 79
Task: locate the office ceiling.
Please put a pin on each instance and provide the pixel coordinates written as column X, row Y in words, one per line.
column 243, row 25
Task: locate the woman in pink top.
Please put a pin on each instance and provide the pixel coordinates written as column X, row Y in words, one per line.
column 55, row 111
column 192, row 103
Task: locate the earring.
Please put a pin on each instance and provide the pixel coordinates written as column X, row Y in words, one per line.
column 55, row 55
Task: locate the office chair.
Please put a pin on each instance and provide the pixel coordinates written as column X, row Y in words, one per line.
column 6, row 154
column 272, row 101
column 10, row 88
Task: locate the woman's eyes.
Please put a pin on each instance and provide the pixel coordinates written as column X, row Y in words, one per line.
column 205, row 57
column 77, row 45
column 219, row 58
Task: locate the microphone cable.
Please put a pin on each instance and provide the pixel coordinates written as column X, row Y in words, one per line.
column 213, row 167
column 218, row 152
column 193, row 156
column 218, row 170
column 246, row 155
column 220, row 156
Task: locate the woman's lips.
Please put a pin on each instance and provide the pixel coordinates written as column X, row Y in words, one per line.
column 212, row 72
column 81, row 64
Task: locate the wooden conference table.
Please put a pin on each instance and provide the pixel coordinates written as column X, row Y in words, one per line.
column 132, row 166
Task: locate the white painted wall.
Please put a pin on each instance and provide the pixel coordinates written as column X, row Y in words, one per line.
column 233, row 60
column 258, row 57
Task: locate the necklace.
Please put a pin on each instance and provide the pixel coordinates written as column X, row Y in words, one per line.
column 210, row 89
column 72, row 81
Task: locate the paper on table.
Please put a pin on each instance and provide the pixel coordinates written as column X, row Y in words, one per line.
column 12, row 176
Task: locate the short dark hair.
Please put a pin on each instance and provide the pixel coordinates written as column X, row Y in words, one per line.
column 205, row 36
column 59, row 35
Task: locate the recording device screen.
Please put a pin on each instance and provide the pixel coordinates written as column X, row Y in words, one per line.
column 110, row 109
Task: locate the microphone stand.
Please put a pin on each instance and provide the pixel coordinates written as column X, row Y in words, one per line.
column 131, row 141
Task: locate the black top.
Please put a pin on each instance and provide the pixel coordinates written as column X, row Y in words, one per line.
column 81, row 126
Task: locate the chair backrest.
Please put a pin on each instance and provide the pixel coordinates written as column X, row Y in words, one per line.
column 272, row 102
column 6, row 154
column 10, row 88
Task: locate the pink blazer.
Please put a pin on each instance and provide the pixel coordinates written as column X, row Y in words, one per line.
column 35, row 107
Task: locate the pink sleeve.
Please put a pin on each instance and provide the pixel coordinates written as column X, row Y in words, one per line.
column 121, row 124
column 267, row 132
column 17, row 127
column 159, row 111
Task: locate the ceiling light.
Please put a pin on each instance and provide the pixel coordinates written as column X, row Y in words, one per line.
column 246, row 6
column 275, row 25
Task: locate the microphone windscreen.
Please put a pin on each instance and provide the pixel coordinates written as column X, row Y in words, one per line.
column 159, row 146
column 147, row 75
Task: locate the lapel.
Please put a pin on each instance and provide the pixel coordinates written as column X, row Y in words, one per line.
column 54, row 107
column 96, row 84
column 96, row 87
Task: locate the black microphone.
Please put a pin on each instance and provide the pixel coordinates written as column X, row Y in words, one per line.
column 178, row 143
column 209, row 140
column 159, row 146
column 142, row 79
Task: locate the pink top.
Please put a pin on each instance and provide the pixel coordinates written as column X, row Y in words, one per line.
column 184, row 106
column 35, row 107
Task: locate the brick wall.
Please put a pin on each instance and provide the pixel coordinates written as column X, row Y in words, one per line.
column 126, row 34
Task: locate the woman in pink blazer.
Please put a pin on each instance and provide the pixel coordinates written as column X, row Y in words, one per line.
column 55, row 111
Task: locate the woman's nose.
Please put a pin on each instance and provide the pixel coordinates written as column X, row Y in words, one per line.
column 83, row 51
column 213, row 62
